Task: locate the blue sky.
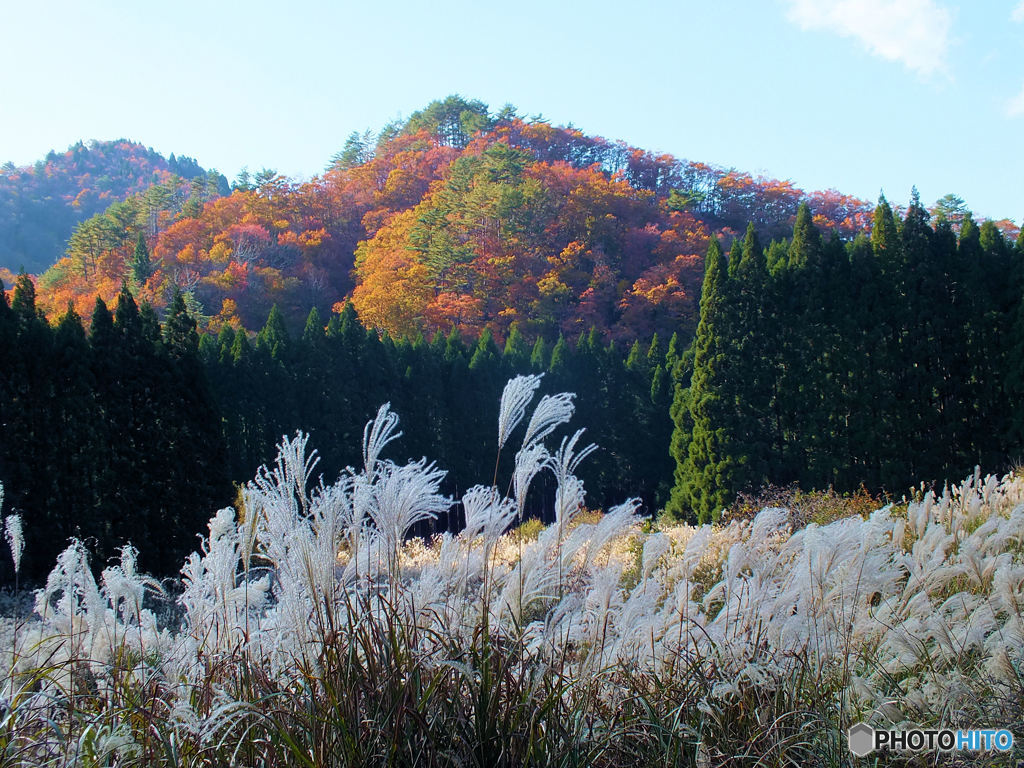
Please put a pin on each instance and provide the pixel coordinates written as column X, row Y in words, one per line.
column 857, row 95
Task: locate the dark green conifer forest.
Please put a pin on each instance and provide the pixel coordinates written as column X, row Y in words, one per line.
column 882, row 362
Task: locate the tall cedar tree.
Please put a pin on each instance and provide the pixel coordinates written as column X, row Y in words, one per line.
column 755, row 332
column 192, row 444
column 141, row 266
column 709, row 449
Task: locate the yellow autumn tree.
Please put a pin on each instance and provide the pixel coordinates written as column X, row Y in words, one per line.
column 394, row 287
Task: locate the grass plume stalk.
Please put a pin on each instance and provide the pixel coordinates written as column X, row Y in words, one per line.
column 313, row 631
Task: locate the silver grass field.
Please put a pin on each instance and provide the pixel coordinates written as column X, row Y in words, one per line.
column 309, row 630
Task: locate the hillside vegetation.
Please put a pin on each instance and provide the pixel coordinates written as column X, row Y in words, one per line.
column 40, row 205
column 455, row 217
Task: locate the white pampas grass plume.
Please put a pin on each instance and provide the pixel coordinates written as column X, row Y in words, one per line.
column 517, row 395
column 376, row 435
column 656, row 547
column 404, row 496
column 566, row 459
column 15, row 537
column 569, row 499
column 535, row 577
column 288, row 481
column 569, row 496
column 551, row 411
column 616, row 522
column 125, row 588
column 70, row 590
column 529, row 462
column 250, row 525
column 486, row 512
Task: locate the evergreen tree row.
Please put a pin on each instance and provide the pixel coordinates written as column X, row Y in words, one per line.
column 882, row 362
column 331, row 379
column 112, row 437
column 134, row 432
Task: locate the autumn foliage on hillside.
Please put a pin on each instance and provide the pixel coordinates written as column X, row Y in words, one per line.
column 269, row 241
column 41, row 204
column 506, row 238
column 453, row 219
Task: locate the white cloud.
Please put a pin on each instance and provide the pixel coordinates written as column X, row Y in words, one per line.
column 914, row 32
column 1015, row 106
column 1018, row 12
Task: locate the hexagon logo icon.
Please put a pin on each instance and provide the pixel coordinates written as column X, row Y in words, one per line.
column 861, row 738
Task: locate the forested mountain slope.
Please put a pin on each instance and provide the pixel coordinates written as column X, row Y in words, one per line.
column 41, row 204
column 457, row 217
